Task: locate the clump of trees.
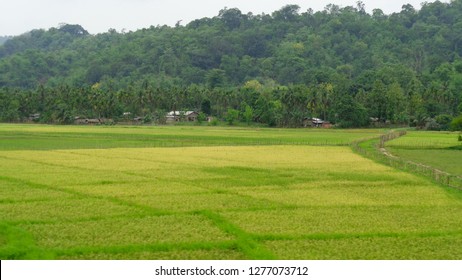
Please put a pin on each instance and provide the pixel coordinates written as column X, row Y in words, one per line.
column 340, row 64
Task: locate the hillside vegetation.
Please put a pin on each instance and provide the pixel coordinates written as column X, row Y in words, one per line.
column 340, row 64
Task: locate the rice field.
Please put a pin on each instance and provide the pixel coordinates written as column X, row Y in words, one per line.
column 440, row 150
column 426, row 140
column 41, row 137
column 229, row 194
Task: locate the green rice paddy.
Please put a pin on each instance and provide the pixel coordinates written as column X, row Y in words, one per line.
column 440, row 150
column 214, row 193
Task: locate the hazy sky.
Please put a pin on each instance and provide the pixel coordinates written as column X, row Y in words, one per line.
column 96, row 16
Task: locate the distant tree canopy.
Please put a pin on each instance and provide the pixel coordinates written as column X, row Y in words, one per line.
column 74, row 29
column 3, row 39
column 403, row 68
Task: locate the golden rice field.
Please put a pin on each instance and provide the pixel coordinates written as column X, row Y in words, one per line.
column 215, row 200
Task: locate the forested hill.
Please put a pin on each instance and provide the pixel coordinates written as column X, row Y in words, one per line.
column 3, row 39
column 400, row 67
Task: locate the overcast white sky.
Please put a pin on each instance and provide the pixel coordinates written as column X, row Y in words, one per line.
column 97, row 16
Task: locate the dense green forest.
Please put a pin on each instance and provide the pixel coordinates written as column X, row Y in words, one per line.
column 341, row 64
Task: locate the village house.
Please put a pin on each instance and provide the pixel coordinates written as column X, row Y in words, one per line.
column 79, row 120
column 316, row 122
column 177, row 116
column 87, row 121
column 34, row 117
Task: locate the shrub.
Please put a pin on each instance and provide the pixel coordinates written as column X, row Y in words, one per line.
column 147, row 119
column 201, row 117
column 248, row 114
column 214, row 122
column 444, row 121
column 456, row 124
column 160, row 117
column 432, row 124
column 232, row 116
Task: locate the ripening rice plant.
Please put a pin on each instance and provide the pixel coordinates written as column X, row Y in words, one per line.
column 220, row 202
column 123, row 232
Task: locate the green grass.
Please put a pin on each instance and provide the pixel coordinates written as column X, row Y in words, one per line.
column 229, row 194
column 447, row 160
column 425, row 140
column 440, row 150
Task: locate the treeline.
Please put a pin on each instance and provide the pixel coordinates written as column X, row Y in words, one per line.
column 341, row 64
column 287, row 106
